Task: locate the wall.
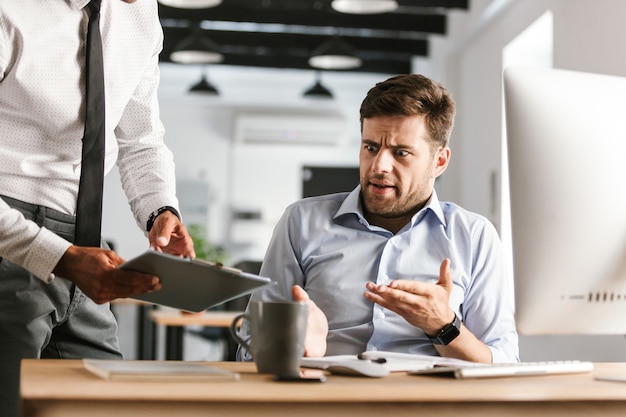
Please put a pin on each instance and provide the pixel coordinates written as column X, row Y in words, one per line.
column 588, row 37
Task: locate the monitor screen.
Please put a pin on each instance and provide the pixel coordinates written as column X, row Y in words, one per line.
column 566, row 138
column 320, row 180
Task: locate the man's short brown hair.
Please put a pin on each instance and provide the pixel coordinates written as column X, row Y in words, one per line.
column 413, row 94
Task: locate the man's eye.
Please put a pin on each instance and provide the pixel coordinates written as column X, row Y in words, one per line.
column 401, row 153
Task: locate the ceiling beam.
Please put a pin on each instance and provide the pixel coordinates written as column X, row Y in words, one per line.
column 448, row 4
column 265, row 40
column 287, row 62
column 252, row 12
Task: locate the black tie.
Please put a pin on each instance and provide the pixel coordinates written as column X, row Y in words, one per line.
column 89, row 204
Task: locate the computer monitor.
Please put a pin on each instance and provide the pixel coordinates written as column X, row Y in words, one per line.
column 320, row 180
column 566, row 137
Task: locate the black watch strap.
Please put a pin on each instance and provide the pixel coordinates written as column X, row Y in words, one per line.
column 448, row 333
column 156, row 213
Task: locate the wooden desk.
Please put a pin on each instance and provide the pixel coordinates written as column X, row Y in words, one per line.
column 174, row 322
column 55, row 388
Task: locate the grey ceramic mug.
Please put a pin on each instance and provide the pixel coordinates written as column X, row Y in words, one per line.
column 277, row 331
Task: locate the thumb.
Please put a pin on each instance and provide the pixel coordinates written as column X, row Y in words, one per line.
column 299, row 294
column 163, row 240
column 161, row 237
column 445, row 277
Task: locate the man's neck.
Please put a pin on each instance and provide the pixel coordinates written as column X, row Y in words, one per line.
column 393, row 224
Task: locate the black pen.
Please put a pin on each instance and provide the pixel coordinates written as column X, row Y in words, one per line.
column 376, row 360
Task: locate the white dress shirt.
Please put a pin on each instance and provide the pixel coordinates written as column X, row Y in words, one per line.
column 326, row 245
column 42, row 60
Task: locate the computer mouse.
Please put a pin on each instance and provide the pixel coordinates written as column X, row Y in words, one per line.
column 359, row 368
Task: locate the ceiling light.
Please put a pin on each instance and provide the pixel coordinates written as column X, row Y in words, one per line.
column 204, row 87
column 197, row 49
column 334, row 54
column 364, row 6
column 191, row 4
column 318, row 90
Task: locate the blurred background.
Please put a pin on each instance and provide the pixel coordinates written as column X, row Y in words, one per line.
column 260, row 103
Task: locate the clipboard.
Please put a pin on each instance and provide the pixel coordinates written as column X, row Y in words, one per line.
column 192, row 284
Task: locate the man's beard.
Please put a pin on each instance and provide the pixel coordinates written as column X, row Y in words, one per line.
column 395, row 208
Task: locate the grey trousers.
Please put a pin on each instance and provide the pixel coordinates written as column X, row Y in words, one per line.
column 39, row 320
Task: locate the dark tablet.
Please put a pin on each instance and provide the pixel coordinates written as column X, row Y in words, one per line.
column 193, row 284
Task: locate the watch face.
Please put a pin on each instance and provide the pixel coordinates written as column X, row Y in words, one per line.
column 448, row 333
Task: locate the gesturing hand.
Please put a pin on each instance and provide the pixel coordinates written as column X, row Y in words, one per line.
column 424, row 305
column 169, row 235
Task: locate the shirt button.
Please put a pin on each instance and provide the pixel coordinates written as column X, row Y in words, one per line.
column 381, row 315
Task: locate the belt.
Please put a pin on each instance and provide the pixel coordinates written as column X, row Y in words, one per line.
column 54, row 220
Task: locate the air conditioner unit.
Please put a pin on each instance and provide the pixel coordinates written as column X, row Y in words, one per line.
column 289, row 127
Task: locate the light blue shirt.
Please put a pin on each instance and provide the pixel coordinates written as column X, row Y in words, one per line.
column 325, row 245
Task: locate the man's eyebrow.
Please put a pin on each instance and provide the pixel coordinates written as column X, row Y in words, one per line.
column 401, row 146
column 395, row 146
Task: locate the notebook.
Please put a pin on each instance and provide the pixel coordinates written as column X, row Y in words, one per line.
column 386, row 361
column 193, row 284
column 158, row 371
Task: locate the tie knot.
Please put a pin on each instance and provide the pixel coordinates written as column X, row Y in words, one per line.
column 94, row 6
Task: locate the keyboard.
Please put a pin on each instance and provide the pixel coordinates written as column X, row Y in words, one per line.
column 509, row 369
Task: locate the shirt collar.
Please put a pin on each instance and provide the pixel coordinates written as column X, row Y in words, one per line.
column 352, row 205
column 434, row 206
column 78, row 4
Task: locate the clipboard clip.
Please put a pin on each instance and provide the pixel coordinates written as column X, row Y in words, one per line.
column 217, row 265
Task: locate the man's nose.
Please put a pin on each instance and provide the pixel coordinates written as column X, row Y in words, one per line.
column 383, row 161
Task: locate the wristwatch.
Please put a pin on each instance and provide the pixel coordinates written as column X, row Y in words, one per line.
column 448, row 333
column 156, row 213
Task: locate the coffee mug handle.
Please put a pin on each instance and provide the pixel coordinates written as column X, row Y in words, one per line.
column 233, row 332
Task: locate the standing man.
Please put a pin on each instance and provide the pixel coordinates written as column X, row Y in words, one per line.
column 388, row 266
column 55, row 281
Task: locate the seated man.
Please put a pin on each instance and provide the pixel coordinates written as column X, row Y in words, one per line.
column 388, row 266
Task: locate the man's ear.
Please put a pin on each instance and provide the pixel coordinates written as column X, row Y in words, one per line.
column 441, row 160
